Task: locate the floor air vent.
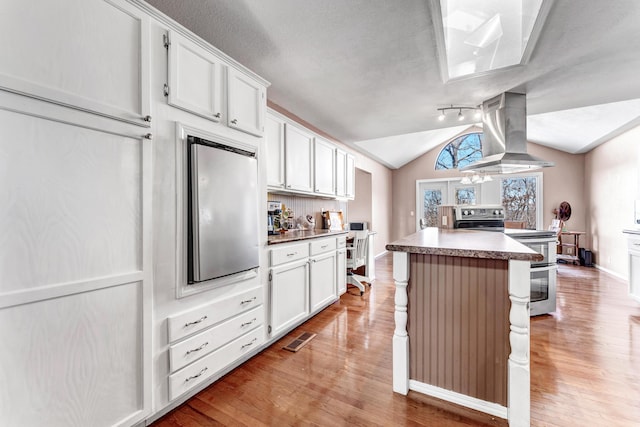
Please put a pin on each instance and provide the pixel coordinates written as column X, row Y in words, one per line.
column 299, row 342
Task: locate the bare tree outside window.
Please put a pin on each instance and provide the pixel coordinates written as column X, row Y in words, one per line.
column 519, row 200
column 466, row 196
column 460, row 152
column 432, row 199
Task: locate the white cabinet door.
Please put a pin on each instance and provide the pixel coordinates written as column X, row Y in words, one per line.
column 247, row 103
column 341, row 170
column 195, row 78
column 351, row 177
column 87, row 55
column 323, row 280
column 274, row 135
column 289, row 295
column 298, row 159
column 341, row 271
column 324, row 167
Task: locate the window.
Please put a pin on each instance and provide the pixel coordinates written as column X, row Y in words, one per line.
column 432, row 199
column 460, row 152
column 520, row 199
column 466, row 196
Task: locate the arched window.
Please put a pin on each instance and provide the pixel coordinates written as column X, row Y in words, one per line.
column 460, row 152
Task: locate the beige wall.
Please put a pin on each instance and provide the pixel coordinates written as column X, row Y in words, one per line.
column 381, row 177
column 563, row 182
column 361, row 208
column 611, row 172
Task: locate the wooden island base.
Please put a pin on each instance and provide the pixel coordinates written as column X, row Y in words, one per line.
column 462, row 320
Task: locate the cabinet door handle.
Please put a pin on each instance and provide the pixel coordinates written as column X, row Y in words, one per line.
column 247, row 301
column 195, row 322
column 199, row 348
column 234, row 121
column 249, row 344
column 217, row 115
column 147, row 119
column 248, row 323
column 205, row 369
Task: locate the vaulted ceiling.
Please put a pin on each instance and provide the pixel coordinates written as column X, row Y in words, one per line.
column 367, row 71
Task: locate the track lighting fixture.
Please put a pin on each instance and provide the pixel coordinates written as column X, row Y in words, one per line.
column 461, row 115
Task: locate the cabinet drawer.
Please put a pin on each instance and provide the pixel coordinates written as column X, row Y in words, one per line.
column 633, row 243
column 341, row 242
column 197, row 372
column 204, row 316
column 322, row 246
column 191, row 349
column 289, row 253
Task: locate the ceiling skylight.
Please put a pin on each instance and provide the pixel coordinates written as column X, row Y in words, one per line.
column 475, row 37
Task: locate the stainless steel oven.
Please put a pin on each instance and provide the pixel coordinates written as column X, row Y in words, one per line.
column 544, row 272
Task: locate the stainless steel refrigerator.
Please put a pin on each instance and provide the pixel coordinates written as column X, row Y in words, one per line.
column 223, row 210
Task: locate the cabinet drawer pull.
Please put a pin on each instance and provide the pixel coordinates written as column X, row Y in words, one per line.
column 217, row 115
column 193, row 377
column 234, row 121
column 247, row 301
column 147, row 119
column 248, row 344
column 292, row 254
column 199, row 348
column 202, row 319
column 324, row 246
column 248, row 323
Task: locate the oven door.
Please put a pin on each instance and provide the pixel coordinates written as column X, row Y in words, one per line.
column 543, row 290
column 545, row 246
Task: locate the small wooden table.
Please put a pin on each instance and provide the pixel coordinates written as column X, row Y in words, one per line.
column 575, row 245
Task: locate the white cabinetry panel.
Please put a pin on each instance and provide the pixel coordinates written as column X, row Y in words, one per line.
column 247, row 103
column 71, row 203
column 195, row 78
column 274, row 135
column 341, row 169
column 350, row 191
column 324, row 168
column 74, row 360
column 299, row 159
column 289, row 295
column 90, row 55
column 323, row 279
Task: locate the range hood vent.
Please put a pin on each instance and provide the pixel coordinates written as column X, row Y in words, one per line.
column 504, row 146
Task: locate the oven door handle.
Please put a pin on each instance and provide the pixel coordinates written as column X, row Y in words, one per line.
column 545, row 268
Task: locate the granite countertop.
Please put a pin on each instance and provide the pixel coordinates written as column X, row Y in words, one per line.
column 464, row 243
column 295, row 235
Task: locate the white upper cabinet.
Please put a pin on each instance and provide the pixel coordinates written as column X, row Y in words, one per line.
column 324, row 167
column 247, row 103
column 351, row 177
column 195, row 78
column 298, row 159
column 200, row 81
column 341, row 169
column 274, row 135
column 87, row 55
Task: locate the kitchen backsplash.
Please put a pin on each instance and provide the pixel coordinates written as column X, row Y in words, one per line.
column 308, row 205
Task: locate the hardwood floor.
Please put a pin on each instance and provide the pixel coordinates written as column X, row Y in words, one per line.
column 585, row 367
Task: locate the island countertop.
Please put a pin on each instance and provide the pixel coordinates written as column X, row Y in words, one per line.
column 464, row 243
column 295, row 235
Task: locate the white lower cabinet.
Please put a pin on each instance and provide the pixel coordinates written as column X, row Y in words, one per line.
column 207, row 339
column 303, row 281
column 633, row 242
column 198, row 371
column 341, row 265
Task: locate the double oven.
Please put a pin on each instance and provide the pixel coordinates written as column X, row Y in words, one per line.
column 543, row 273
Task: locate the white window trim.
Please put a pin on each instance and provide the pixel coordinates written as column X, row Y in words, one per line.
column 539, row 193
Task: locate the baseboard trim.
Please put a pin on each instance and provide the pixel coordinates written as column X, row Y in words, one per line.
column 459, row 399
column 613, row 273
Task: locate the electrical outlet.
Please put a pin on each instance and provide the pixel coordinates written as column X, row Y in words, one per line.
column 444, row 220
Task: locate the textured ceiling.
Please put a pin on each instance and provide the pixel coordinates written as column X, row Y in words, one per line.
column 362, row 70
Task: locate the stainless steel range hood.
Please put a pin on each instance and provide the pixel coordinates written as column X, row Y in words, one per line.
column 504, row 146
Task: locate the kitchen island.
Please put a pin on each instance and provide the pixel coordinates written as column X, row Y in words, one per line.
column 462, row 319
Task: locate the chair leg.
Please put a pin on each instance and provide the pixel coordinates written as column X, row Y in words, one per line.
column 353, row 279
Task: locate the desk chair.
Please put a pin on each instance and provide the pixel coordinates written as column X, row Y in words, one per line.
column 357, row 257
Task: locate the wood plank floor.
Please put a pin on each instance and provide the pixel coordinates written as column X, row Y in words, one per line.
column 585, row 367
